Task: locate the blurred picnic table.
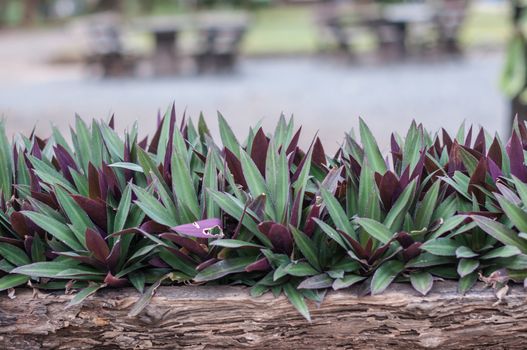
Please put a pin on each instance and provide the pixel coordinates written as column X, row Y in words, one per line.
column 393, row 24
column 216, row 40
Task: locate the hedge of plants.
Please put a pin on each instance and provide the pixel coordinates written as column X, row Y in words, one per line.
column 108, row 210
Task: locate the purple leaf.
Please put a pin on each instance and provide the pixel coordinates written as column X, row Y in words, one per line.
column 206, row 264
column 201, row 229
column 494, row 170
column 258, row 265
column 155, row 140
column 478, row 178
column 66, row 162
column 235, row 166
column 113, row 257
column 97, row 245
column 279, row 236
column 468, row 139
column 319, row 155
column 310, row 225
column 294, row 141
column 388, row 188
column 157, row 262
column 95, row 208
column 93, row 182
column 187, row 243
column 111, row 123
column 259, row 150
column 19, row 224
column 447, row 141
column 404, row 239
column 115, row 282
column 515, row 152
column 479, row 143
column 153, row 227
column 495, row 152
column 412, row 251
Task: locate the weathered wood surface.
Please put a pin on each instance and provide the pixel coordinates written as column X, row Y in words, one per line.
column 227, row 317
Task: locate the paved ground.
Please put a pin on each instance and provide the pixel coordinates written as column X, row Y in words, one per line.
column 324, row 95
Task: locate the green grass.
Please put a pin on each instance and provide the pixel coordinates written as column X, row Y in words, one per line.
column 486, row 26
column 281, row 30
column 285, row 30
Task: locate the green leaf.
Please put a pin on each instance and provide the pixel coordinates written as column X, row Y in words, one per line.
column 427, row 259
column 385, row 275
column 425, row 211
column 502, row 252
column 299, row 269
column 123, row 209
column 278, row 183
column 55, row 228
column 332, row 233
column 78, row 217
column 11, row 281
column 182, row 181
column 297, row 300
column 521, row 188
column 500, row 232
column 234, row 208
column 371, row 149
column 448, row 225
column 6, row 163
column 223, row 268
column 395, row 216
column 38, row 250
column 128, row 166
column 347, row 281
column 49, row 175
column 55, row 269
column 114, row 144
column 467, row 266
column 144, row 300
column 254, row 178
column 234, row 243
column 227, row 136
column 467, row 282
column 138, row 280
column 337, row 213
column 422, row 282
column 84, row 293
column 514, row 213
column 176, row 262
column 465, row 252
column 13, row 254
column 320, row 281
column 376, row 229
column 210, row 182
column 153, row 208
column 441, row 246
column 306, row 247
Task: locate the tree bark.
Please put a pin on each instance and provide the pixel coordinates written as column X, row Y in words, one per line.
column 210, row 317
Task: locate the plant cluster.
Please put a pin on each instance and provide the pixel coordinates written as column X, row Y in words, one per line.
column 103, row 210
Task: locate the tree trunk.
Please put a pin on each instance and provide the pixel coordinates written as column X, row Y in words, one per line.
column 210, row 317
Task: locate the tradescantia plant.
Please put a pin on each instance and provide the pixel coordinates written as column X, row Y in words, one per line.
column 108, row 210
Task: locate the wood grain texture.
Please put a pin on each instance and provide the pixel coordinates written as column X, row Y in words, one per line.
column 209, row 317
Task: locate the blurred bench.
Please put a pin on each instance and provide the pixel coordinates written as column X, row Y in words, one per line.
column 106, row 50
column 218, row 48
column 393, row 24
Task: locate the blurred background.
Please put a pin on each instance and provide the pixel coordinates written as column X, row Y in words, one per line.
column 440, row 62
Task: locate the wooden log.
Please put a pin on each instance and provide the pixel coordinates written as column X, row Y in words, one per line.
column 210, row 317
